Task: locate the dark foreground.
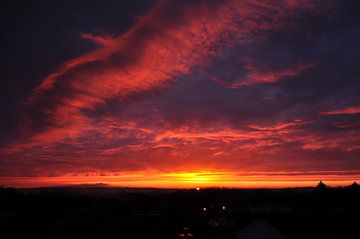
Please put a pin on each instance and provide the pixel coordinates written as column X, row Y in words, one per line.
column 153, row 213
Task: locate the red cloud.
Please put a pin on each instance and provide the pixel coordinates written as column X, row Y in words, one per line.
column 255, row 76
column 344, row 111
column 172, row 39
column 99, row 40
column 151, row 53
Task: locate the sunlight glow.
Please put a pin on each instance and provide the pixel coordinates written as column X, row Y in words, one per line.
column 196, row 180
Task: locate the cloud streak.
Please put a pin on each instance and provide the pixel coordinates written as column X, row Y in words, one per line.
column 344, row 111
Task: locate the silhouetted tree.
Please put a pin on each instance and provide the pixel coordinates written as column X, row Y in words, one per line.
column 321, row 185
column 355, row 186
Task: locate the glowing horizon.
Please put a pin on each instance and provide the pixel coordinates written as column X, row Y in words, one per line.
column 202, row 179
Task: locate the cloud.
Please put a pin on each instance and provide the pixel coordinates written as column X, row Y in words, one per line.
column 98, row 39
column 251, row 75
column 147, row 56
column 344, row 111
column 149, row 98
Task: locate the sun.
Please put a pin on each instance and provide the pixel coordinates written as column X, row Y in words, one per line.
column 203, row 178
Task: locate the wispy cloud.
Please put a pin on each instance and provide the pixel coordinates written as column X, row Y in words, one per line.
column 343, row 111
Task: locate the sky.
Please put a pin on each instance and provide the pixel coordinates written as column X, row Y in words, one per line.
column 180, row 93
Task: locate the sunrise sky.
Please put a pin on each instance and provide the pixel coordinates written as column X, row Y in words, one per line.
column 180, row 93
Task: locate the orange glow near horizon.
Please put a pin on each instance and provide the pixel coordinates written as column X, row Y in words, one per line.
column 198, row 179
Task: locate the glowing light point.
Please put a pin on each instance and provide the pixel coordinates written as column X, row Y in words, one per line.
column 223, row 207
column 197, row 189
column 204, row 209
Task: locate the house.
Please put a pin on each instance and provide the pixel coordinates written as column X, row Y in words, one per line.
column 259, row 230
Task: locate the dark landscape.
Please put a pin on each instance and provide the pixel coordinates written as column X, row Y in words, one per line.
column 101, row 212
